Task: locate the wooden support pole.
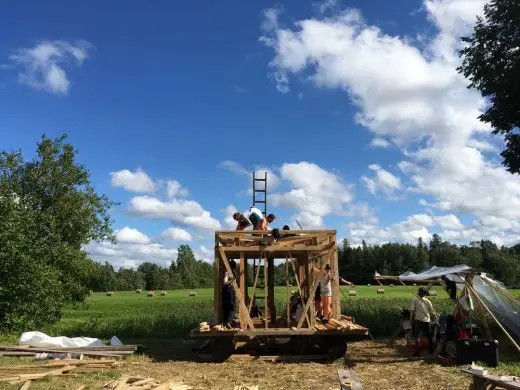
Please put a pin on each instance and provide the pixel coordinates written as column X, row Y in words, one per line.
column 270, row 290
column 243, row 289
column 240, row 298
column 254, row 287
column 217, row 292
column 287, row 292
column 493, row 316
column 336, row 297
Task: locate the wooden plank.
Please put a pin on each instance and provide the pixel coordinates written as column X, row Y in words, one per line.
column 243, row 288
column 237, row 290
column 275, row 248
column 282, row 332
column 277, row 358
column 228, row 233
column 27, row 384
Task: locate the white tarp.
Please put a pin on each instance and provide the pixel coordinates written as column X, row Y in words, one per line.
column 41, row 340
column 433, row 272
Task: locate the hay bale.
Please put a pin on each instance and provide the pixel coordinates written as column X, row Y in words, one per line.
column 369, row 285
column 193, row 293
column 138, row 291
column 380, row 290
column 432, row 293
column 150, row 294
column 392, row 285
column 164, row 293
column 415, row 284
column 90, row 292
column 110, row 293
column 352, row 293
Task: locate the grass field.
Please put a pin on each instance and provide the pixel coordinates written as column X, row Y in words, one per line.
column 127, row 314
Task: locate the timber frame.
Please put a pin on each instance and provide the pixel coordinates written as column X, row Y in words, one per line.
column 300, row 251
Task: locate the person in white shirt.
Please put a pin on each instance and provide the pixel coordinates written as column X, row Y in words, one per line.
column 421, row 313
column 325, row 279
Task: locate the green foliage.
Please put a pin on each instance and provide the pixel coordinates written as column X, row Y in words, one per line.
column 491, row 62
column 48, row 211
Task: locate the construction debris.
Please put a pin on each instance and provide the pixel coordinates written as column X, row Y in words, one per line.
column 246, row 387
column 27, row 373
column 142, row 383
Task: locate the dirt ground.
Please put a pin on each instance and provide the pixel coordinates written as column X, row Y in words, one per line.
column 377, row 366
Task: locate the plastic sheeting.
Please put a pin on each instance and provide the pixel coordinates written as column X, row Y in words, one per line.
column 433, row 272
column 41, row 340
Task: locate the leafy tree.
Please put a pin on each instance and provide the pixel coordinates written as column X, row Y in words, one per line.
column 491, row 62
column 51, row 199
column 187, row 266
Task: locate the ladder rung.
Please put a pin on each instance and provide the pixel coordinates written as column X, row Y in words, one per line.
column 260, row 179
column 259, row 201
column 260, row 190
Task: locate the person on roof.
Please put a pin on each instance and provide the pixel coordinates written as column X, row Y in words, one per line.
column 263, row 224
column 242, row 221
column 255, row 216
column 421, row 313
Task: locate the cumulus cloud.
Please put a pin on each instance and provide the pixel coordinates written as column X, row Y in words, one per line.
column 383, row 181
column 449, row 221
column 187, row 212
column 380, row 143
column 132, row 236
column 273, row 181
column 175, row 190
column 228, row 212
column 42, row 66
column 137, row 181
column 176, row 234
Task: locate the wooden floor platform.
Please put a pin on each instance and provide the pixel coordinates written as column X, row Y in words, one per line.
column 282, row 332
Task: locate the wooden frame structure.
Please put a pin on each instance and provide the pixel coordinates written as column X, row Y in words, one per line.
column 301, row 251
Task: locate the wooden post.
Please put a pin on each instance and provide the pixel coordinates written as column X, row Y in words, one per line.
column 299, row 286
column 310, row 301
column 270, row 291
column 254, row 288
column 287, row 292
column 243, row 288
column 217, row 292
column 237, row 290
column 336, row 297
column 266, row 316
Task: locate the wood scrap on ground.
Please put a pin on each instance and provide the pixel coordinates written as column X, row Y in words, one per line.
column 136, row 382
column 116, row 351
column 25, row 374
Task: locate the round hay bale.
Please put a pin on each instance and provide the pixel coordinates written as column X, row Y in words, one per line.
column 110, row 293
column 380, row 290
column 150, row 294
column 432, row 293
column 415, row 284
column 90, row 292
column 369, row 285
column 392, row 285
column 138, row 291
column 352, row 293
column 193, row 293
column 164, row 293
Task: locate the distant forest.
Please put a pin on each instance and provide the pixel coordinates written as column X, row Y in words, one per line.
column 357, row 264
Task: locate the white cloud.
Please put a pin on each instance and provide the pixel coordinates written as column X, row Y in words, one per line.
column 314, row 189
column 175, row 190
column 408, row 90
column 132, row 236
column 380, row 143
column 176, row 234
column 130, row 255
column 228, row 212
column 383, row 181
column 273, row 181
column 41, row 67
column 187, row 212
column 449, row 221
column 137, row 181
column 234, row 167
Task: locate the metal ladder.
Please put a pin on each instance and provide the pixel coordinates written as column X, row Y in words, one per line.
column 260, row 190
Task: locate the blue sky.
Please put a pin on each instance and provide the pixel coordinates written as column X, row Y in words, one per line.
column 354, row 108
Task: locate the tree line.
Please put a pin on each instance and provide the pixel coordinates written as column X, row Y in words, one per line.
column 358, row 264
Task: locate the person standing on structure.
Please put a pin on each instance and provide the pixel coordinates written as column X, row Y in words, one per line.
column 325, row 286
column 421, row 313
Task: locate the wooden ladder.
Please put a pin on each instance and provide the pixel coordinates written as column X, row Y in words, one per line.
column 259, row 188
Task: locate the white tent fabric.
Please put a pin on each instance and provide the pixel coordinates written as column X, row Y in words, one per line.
column 432, row 273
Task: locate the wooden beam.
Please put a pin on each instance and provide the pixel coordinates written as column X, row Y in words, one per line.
column 270, row 290
column 246, row 232
column 336, row 297
column 299, row 287
column 276, row 248
column 237, row 290
column 266, row 306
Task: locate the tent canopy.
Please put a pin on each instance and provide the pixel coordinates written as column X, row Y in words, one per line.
column 433, row 273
